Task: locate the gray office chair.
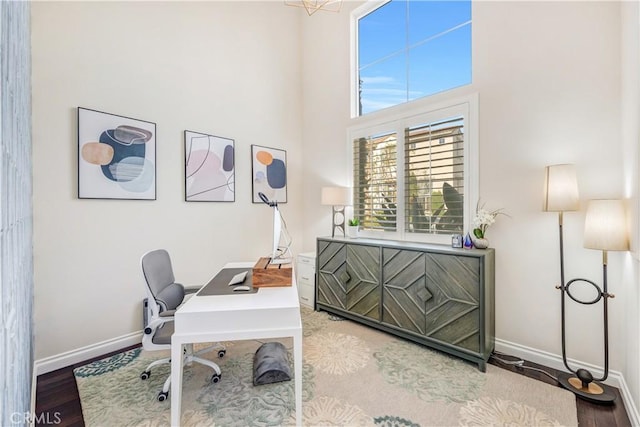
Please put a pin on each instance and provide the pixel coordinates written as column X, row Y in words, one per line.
column 164, row 296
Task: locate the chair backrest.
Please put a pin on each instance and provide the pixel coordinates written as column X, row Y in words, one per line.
column 161, row 285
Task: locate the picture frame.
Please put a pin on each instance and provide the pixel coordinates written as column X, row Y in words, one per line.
column 209, row 168
column 116, row 156
column 268, row 173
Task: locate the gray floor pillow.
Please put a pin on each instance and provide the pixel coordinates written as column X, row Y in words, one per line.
column 271, row 364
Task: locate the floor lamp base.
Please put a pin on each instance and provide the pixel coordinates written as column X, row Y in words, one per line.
column 594, row 392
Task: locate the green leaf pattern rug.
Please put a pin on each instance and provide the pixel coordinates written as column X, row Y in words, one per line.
column 352, row 376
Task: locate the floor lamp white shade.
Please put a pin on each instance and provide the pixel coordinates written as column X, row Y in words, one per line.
column 561, row 188
column 605, row 226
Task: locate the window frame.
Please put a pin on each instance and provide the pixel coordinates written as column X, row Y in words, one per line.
column 359, row 12
column 397, row 119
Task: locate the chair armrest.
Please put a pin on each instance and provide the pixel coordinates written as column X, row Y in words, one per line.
column 158, row 322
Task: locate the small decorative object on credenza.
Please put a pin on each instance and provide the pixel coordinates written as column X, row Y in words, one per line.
column 467, row 243
column 483, row 219
column 353, row 228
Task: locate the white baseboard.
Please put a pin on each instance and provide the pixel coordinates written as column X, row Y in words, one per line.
column 48, row 364
column 615, row 378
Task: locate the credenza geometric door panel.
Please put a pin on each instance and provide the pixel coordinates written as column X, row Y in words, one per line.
column 332, row 268
column 453, row 314
column 435, row 295
column 363, row 280
column 404, row 289
column 348, row 277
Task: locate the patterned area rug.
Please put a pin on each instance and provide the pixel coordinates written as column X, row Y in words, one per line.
column 352, row 376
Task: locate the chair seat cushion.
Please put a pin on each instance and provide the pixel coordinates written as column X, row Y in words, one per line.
column 163, row 334
column 271, row 364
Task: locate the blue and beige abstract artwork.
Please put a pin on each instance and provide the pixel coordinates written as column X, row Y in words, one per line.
column 209, row 168
column 116, row 157
column 269, row 168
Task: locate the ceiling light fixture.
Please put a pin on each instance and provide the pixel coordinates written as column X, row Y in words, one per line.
column 312, row 6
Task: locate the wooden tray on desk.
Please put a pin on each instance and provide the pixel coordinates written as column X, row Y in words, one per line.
column 271, row 275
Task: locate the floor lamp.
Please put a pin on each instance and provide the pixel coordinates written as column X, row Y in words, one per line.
column 604, row 229
column 338, row 197
column 561, row 195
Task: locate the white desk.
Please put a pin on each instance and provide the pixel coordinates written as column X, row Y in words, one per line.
column 269, row 313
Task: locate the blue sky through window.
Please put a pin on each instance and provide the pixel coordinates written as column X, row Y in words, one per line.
column 411, row 49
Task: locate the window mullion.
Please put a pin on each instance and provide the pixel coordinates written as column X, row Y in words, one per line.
column 400, row 169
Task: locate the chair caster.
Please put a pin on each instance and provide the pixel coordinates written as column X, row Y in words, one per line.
column 216, row 378
column 162, row 396
column 221, row 353
column 145, row 375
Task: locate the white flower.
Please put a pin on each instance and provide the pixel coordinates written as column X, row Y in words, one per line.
column 484, row 219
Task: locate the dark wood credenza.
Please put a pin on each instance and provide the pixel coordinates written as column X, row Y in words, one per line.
column 435, row 295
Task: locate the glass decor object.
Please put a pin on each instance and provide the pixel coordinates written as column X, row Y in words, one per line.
column 468, row 243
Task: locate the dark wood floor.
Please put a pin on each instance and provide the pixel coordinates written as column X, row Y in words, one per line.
column 57, row 400
column 589, row 414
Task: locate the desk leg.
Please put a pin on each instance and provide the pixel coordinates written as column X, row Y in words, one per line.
column 176, row 382
column 297, row 354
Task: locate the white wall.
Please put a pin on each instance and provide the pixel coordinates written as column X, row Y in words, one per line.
column 549, row 92
column 630, row 42
column 223, row 68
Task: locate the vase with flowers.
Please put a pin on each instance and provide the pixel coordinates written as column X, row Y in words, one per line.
column 483, row 219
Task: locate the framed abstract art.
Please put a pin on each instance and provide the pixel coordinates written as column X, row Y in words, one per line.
column 269, row 173
column 116, row 157
column 209, row 168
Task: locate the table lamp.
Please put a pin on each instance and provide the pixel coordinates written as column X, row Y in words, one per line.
column 338, row 197
column 605, row 229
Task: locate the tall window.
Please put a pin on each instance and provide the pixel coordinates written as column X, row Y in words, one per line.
column 411, row 49
column 415, row 176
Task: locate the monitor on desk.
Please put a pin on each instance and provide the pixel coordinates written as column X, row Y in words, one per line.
column 281, row 240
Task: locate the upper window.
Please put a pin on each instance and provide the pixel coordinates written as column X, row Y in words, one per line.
column 411, row 49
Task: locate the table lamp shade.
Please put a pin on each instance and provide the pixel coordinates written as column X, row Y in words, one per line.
column 605, row 226
column 336, row 196
column 561, row 188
